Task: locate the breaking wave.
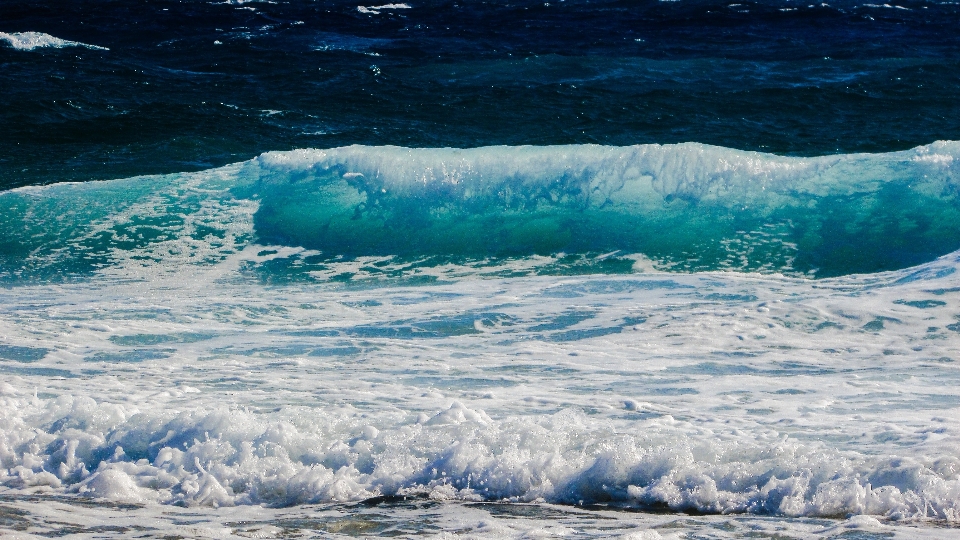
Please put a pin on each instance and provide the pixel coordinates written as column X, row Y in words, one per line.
column 229, row 457
column 687, row 207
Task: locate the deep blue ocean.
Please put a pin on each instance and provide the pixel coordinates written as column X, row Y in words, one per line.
column 508, row 269
column 189, row 85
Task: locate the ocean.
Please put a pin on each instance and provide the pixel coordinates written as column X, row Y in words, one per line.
column 482, row 269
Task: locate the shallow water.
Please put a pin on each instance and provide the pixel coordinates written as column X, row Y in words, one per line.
column 710, row 393
column 423, row 517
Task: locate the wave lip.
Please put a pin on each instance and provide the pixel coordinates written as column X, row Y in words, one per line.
column 28, row 41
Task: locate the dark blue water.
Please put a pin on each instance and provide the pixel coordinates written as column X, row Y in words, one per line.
column 192, row 85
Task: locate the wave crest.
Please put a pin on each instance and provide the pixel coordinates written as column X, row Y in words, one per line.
column 28, row 41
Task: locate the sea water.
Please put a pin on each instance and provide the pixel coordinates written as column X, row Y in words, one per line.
column 474, row 320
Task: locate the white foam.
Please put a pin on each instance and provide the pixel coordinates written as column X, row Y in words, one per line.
column 303, row 455
column 719, row 393
column 28, row 41
column 375, row 10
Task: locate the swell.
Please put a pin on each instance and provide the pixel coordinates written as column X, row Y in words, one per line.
column 686, row 207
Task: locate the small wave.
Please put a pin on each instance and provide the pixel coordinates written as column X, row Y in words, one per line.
column 329, row 41
column 28, row 41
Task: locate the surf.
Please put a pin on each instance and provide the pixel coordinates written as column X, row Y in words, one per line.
column 687, row 207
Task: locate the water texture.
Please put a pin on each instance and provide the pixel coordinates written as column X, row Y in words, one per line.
column 187, row 86
column 642, row 270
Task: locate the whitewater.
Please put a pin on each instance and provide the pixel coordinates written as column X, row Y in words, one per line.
column 663, row 341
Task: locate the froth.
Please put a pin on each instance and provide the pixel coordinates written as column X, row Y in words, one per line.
column 230, row 456
column 711, row 393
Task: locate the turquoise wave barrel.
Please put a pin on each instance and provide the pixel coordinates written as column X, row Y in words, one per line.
column 687, row 207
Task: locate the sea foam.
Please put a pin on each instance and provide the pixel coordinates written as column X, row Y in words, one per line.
column 711, row 393
column 299, row 456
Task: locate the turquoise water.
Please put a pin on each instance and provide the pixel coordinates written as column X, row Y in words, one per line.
column 681, row 208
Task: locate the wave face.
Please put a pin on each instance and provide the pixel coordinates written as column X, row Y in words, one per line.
column 687, row 207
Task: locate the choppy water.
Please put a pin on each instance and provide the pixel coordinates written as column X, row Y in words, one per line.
column 167, row 86
column 642, row 270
